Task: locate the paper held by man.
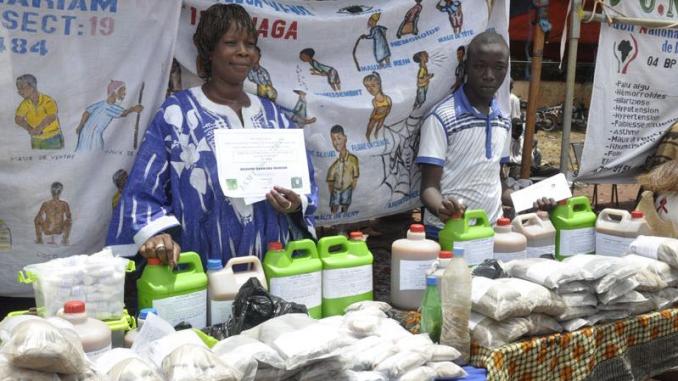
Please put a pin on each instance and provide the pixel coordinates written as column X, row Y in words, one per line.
column 252, row 161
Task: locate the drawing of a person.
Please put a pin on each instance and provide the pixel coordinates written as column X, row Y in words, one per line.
column 317, row 68
column 5, row 237
column 119, row 180
column 459, row 70
column 423, row 78
column 37, row 114
column 262, row 79
column 53, row 218
column 381, row 103
column 382, row 53
column 99, row 115
column 410, row 21
column 299, row 113
column 343, row 174
column 454, row 13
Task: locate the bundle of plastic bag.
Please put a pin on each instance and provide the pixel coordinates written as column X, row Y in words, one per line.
column 314, row 342
column 365, row 376
column 579, row 299
column 629, row 297
column 354, row 355
column 573, row 312
column 369, row 305
column 649, row 268
column 270, row 330
column 362, row 323
column 8, row 372
column 662, row 299
column 192, row 362
column 418, row 374
column 634, row 308
column 616, row 290
column 546, row 272
column 89, row 374
column 511, row 297
column 122, row 364
column 576, row 286
column 540, row 324
column 490, row 333
column 38, row 345
column 660, row 248
column 400, row 363
column 595, row 267
column 247, row 347
column 601, row 316
column 447, row 369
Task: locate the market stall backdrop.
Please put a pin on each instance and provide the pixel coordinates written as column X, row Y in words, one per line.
column 375, row 66
column 635, row 91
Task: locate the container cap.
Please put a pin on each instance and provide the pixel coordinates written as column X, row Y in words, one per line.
column 456, row 215
column 562, row 202
column 74, row 307
column 637, row 214
column 273, row 246
column 153, row 261
column 356, row 235
column 431, row 280
column 544, row 215
column 145, row 311
column 458, row 251
column 214, row 264
column 417, row 228
column 445, row 254
column 503, row 221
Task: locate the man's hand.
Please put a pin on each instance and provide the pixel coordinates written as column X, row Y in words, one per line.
column 450, row 207
column 163, row 247
column 545, row 204
column 137, row 108
column 284, row 200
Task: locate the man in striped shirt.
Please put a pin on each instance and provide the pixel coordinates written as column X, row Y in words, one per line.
column 463, row 139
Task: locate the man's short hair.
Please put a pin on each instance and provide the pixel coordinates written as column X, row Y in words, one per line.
column 29, row 79
column 56, row 188
column 337, row 129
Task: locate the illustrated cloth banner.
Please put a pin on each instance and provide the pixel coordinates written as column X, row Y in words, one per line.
column 635, row 92
column 359, row 78
column 80, row 81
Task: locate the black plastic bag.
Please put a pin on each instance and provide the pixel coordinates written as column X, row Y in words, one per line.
column 490, row 268
column 254, row 305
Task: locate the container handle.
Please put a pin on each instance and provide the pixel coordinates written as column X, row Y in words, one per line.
column 579, row 204
column 26, row 277
column 479, row 215
column 192, row 259
column 305, row 246
column 248, row 259
column 529, row 219
column 607, row 214
column 326, row 243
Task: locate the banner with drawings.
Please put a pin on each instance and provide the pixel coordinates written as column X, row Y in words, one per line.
column 635, row 91
column 79, row 82
column 359, row 77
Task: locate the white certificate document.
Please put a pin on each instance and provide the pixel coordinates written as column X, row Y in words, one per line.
column 251, row 161
column 554, row 187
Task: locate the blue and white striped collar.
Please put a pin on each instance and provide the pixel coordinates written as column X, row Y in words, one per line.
column 463, row 106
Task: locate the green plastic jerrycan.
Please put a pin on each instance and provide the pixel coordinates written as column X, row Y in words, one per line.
column 177, row 294
column 575, row 225
column 472, row 232
column 295, row 274
column 347, row 272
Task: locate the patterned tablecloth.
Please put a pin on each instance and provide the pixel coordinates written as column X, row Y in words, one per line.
column 630, row 349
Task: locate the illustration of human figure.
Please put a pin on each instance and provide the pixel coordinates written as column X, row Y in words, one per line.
column 37, row 114
column 307, row 55
column 454, row 13
column 5, row 237
column 382, row 53
column 299, row 113
column 343, row 174
column 423, row 78
column 459, row 71
column 53, row 218
column 410, row 21
column 262, row 79
column 119, row 180
column 99, row 115
column 381, row 103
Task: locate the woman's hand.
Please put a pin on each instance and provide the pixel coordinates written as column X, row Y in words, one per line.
column 284, row 200
column 163, row 247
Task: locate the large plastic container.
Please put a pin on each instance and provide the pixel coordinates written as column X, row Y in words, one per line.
column 508, row 245
column 179, row 294
column 295, row 274
column 224, row 283
column 617, row 228
column 95, row 335
column 540, row 234
column 411, row 258
column 575, row 227
column 472, row 232
column 132, row 334
column 455, row 299
column 347, row 272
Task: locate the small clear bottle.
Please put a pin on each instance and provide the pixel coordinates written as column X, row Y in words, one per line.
column 431, row 311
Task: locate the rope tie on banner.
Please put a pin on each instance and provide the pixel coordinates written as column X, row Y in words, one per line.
column 605, row 10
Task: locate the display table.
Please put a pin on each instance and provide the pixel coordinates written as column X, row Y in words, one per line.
column 630, row 349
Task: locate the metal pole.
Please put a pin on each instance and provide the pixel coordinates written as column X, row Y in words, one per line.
column 537, row 55
column 575, row 31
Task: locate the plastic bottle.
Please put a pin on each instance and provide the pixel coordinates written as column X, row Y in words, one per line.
column 616, row 229
column 411, row 258
column 439, row 266
column 575, row 227
column 431, row 311
column 472, row 232
column 179, row 295
column 132, row 334
column 508, row 245
column 540, row 234
column 224, row 283
column 347, row 273
column 455, row 296
column 94, row 334
column 295, row 274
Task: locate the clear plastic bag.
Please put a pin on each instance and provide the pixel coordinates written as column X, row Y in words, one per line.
column 369, row 305
column 365, row 376
column 247, row 347
column 546, row 272
column 576, row 312
column 418, row 374
column 632, row 308
column 8, row 372
column 401, row 363
column 447, row 369
column 661, row 248
column 354, row 357
column 363, row 323
column 576, row 286
column 490, row 333
column 191, row 362
column 662, row 299
column 504, row 298
column 540, row 324
column 315, row 342
column 134, row 369
column 594, row 267
column 618, row 289
column 579, row 299
column 651, row 269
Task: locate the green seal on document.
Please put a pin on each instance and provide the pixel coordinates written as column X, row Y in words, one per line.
column 296, row 182
column 232, row 184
